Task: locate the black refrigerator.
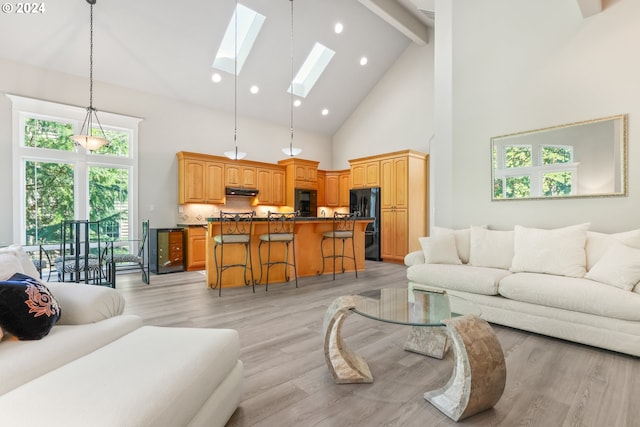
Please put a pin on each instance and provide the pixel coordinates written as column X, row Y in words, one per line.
column 366, row 201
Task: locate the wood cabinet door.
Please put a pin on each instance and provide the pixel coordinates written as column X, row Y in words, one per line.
column 196, row 248
column 278, row 188
column 193, row 181
column 232, row 176
column 358, row 176
column 394, row 234
column 344, row 187
column 240, row 176
column 372, row 174
column 214, row 182
column 332, row 190
column 265, row 186
column 322, row 184
column 249, row 177
column 400, row 177
column 387, row 184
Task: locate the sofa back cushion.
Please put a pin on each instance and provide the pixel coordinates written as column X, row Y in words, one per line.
column 599, row 243
column 619, row 267
column 440, row 249
column 559, row 251
column 463, row 240
column 491, row 248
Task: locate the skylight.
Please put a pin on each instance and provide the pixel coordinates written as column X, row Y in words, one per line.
column 313, row 67
column 249, row 25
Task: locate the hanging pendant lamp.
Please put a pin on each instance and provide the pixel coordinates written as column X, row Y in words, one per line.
column 235, row 154
column 86, row 139
column 291, row 151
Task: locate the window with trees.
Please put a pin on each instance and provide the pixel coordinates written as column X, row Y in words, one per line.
column 57, row 180
column 533, row 171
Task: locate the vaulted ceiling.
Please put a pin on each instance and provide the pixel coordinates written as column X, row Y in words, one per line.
column 167, row 48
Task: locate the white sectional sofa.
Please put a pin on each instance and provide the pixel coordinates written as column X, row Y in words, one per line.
column 98, row 367
column 568, row 283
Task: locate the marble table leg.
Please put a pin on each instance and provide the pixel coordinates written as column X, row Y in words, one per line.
column 428, row 340
column 479, row 372
column 345, row 366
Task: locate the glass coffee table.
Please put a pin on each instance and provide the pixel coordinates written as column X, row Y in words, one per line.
column 436, row 320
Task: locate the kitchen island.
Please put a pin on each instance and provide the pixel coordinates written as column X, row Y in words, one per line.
column 308, row 237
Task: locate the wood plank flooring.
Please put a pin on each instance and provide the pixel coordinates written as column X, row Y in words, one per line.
column 549, row 382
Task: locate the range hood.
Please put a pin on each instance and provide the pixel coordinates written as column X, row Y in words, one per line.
column 247, row 192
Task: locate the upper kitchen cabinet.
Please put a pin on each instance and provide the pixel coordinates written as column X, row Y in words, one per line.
column 200, row 179
column 365, row 172
column 240, row 176
column 299, row 173
column 271, row 186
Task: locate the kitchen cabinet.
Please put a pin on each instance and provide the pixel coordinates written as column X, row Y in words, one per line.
column 321, row 195
column 199, row 180
column 404, row 207
column 271, row 186
column 332, row 189
column 299, row 173
column 394, row 237
column 196, row 248
column 365, row 173
column 240, row 176
column 344, row 186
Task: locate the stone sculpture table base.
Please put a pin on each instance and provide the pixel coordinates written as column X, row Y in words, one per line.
column 479, row 373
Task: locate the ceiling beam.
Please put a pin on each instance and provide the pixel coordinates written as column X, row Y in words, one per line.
column 401, row 19
column 590, row 7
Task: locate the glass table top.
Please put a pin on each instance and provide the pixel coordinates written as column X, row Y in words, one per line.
column 415, row 308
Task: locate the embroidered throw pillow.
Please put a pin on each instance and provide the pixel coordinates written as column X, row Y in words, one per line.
column 28, row 310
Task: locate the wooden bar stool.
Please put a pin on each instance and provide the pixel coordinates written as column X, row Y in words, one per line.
column 280, row 229
column 343, row 229
column 235, row 229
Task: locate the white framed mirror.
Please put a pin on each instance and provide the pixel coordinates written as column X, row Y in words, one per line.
column 582, row 159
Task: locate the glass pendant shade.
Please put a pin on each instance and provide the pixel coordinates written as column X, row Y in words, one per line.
column 292, row 151
column 235, row 154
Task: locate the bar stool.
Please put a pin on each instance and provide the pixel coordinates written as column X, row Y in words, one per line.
column 235, row 229
column 343, row 227
column 280, row 229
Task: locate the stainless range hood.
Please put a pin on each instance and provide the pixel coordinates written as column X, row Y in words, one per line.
column 247, row 192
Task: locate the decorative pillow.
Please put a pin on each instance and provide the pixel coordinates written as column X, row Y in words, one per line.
column 27, row 266
column 28, row 310
column 440, row 249
column 560, row 251
column 491, row 248
column 599, row 243
column 462, row 237
column 619, row 267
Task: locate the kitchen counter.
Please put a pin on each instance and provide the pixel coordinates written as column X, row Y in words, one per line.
column 308, row 255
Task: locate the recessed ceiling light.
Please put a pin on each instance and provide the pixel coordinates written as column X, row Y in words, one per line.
column 297, row 103
column 338, row 28
column 325, row 111
column 216, row 78
column 254, row 89
column 363, row 61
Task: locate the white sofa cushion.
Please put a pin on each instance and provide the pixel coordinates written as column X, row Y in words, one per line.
column 82, row 303
column 599, row 243
column 153, row 376
column 570, row 293
column 619, row 267
column 26, row 264
column 440, row 249
column 463, row 239
column 30, row 359
column 560, row 251
column 467, row 278
column 491, row 248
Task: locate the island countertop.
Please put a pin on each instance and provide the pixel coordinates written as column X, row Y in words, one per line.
column 308, row 255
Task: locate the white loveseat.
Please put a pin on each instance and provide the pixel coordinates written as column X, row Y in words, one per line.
column 98, row 367
column 568, row 283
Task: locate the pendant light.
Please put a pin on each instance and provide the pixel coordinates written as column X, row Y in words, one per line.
column 235, row 154
column 291, row 151
column 86, row 139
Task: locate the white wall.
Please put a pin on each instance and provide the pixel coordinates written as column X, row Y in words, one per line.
column 396, row 115
column 168, row 126
column 520, row 65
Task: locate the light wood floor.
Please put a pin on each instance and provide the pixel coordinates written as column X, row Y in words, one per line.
column 549, row 382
